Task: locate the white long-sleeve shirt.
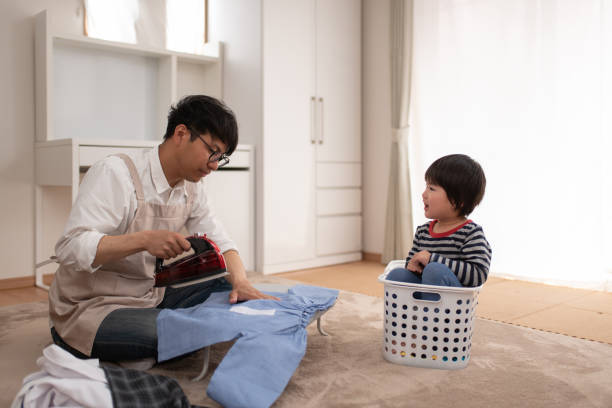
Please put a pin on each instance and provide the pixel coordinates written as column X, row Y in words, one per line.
column 106, row 204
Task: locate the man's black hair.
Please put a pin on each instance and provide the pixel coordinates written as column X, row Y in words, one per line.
column 204, row 114
column 462, row 179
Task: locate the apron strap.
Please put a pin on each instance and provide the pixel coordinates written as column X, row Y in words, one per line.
column 134, row 173
column 191, row 191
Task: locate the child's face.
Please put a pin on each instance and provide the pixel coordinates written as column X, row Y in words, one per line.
column 437, row 205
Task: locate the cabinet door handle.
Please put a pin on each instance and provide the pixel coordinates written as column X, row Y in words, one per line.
column 313, row 121
column 321, row 121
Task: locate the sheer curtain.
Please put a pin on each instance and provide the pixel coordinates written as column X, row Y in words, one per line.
column 523, row 87
column 398, row 222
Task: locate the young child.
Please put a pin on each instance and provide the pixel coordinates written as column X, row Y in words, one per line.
column 451, row 250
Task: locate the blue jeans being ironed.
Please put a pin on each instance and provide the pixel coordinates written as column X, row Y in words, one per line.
column 434, row 273
column 131, row 333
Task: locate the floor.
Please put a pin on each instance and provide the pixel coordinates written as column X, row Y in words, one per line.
column 573, row 312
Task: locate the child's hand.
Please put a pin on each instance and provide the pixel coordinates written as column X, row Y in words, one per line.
column 418, row 261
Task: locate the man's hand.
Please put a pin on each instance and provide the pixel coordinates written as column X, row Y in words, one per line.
column 243, row 290
column 418, row 262
column 241, row 287
column 165, row 244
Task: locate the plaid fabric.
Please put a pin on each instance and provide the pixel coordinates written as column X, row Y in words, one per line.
column 139, row 389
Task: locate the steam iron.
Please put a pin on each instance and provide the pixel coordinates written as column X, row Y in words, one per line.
column 202, row 262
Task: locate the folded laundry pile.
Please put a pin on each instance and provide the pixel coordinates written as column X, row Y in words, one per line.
column 270, row 341
column 66, row 381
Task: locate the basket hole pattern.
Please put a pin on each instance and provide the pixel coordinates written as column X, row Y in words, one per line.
column 450, row 327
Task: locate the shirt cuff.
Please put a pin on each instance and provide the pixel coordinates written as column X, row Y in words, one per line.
column 88, row 251
column 90, row 247
column 227, row 246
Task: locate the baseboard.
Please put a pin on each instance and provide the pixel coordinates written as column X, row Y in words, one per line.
column 24, row 282
column 312, row 263
column 372, row 257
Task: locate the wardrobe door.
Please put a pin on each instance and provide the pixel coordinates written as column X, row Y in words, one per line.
column 287, row 155
column 338, row 80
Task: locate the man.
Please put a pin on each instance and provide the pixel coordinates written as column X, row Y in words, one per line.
column 129, row 210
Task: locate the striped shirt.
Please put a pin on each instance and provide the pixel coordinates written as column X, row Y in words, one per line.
column 464, row 249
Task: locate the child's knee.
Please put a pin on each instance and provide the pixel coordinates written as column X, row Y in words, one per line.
column 401, row 275
column 435, row 269
column 439, row 274
column 397, row 274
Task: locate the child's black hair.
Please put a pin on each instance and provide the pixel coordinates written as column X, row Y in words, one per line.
column 204, row 114
column 462, row 179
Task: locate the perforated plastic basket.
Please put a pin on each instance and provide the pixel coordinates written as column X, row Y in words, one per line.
column 433, row 331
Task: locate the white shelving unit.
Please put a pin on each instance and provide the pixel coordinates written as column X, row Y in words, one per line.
column 95, row 89
column 97, row 97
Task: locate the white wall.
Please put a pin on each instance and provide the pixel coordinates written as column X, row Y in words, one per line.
column 376, row 120
column 17, row 121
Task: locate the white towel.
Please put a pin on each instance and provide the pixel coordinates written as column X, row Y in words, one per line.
column 64, row 381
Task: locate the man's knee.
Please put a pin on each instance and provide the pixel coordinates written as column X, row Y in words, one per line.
column 60, row 342
column 127, row 334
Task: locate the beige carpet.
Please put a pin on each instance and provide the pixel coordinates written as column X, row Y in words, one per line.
column 510, row 366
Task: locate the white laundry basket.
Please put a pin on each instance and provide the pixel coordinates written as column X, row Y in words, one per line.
column 427, row 333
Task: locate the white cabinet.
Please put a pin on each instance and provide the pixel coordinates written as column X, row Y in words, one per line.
column 230, row 189
column 336, row 235
column 338, row 79
column 288, row 156
column 95, row 98
column 311, row 146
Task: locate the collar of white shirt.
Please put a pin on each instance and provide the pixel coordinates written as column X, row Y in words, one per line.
column 157, row 174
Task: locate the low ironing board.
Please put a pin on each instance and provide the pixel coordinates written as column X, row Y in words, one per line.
column 263, row 287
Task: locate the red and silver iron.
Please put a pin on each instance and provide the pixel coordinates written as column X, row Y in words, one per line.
column 203, row 262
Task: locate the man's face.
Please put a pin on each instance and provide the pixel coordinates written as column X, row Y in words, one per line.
column 195, row 155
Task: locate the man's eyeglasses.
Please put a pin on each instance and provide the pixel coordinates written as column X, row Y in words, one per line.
column 215, row 156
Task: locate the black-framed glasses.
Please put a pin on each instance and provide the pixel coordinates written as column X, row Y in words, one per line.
column 221, row 158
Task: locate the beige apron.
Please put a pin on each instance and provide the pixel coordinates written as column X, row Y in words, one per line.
column 79, row 301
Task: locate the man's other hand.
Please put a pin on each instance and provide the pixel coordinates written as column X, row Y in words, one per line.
column 243, row 290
